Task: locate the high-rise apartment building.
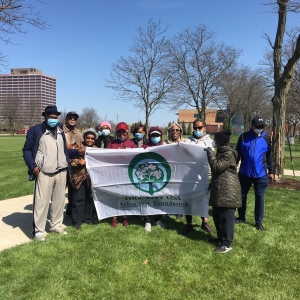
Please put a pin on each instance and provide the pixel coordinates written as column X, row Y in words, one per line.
column 25, row 93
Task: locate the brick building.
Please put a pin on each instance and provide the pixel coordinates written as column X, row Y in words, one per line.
column 28, row 90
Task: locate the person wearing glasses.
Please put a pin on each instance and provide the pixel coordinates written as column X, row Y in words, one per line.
column 254, row 151
column 73, row 137
column 174, row 136
column 200, row 138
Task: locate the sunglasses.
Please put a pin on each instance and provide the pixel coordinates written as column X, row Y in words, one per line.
column 260, row 127
column 72, row 118
column 175, row 130
column 199, row 127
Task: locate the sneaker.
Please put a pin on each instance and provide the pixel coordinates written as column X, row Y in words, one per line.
column 187, row 229
column 160, row 224
column 77, row 226
column 206, row 227
column 260, row 227
column 223, row 249
column 148, row 227
column 114, row 223
column 59, row 231
column 126, row 223
column 39, row 238
column 239, row 221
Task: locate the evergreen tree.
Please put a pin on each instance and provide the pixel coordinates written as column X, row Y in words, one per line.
column 189, row 129
column 227, row 124
column 183, row 128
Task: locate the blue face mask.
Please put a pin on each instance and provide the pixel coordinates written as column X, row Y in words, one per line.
column 99, row 133
column 105, row 132
column 122, row 140
column 198, row 133
column 52, row 122
column 138, row 136
column 155, row 140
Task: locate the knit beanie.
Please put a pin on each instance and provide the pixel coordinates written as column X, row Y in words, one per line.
column 90, row 131
column 223, row 137
column 104, row 123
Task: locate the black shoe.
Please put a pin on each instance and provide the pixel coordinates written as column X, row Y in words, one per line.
column 206, row 227
column 77, row 226
column 187, row 229
column 239, row 221
column 88, row 222
column 260, row 227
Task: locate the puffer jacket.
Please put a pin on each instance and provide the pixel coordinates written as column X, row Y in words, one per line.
column 225, row 186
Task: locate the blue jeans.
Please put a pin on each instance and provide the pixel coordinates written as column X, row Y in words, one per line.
column 260, row 185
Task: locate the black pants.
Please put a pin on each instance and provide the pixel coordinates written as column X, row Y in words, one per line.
column 70, row 197
column 224, row 222
column 155, row 217
column 81, row 204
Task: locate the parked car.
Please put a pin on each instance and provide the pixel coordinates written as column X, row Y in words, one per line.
column 22, row 131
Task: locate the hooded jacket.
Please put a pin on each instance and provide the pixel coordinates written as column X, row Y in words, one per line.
column 150, row 143
column 117, row 144
column 225, row 185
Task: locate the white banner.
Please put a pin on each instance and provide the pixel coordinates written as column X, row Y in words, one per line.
column 167, row 179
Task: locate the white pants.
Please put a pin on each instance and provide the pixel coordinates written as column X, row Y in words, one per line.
column 48, row 187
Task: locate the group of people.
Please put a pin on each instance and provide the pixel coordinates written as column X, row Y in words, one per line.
column 54, row 154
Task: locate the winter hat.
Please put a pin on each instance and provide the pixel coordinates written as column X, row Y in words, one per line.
column 72, row 113
column 223, row 137
column 104, row 123
column 121, row 126
column 90, row 131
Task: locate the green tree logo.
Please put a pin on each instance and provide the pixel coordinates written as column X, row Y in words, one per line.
column 149, row 172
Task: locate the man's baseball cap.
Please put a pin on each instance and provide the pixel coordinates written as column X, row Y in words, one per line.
column 258, row 121
column 72, row 113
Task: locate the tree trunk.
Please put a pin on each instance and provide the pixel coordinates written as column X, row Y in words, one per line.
column 279, row 106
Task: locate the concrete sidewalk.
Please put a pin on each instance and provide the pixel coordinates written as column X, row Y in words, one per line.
column 16, row 219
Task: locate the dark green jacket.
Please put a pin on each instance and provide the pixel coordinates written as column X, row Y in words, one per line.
column 225, row 186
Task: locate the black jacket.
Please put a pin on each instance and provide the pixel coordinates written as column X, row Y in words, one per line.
column 225, row 185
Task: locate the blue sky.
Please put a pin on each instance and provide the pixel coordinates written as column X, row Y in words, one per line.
column 88, row 36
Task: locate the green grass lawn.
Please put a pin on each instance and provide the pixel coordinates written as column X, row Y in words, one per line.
column 98, row 262
column 13, row 175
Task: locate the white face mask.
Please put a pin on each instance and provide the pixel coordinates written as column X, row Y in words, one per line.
column 258, row 131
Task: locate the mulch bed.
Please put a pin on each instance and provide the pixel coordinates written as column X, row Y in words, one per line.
column 287, row 183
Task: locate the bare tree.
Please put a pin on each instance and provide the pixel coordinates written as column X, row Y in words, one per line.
column 33, row 112
column 143, row 78
column 283, row 75
column 10, row 112
column 198, row 62
column 14, row 14
column 89, row 118
column 292, row 113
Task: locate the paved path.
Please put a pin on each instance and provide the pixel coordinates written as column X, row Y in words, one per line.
column 16, row 219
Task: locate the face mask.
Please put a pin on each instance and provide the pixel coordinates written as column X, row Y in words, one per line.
column 99, row 133
column 105, row 132
column 155, row 140
column 198, row 133
column 52, row 122
column 122, row 140
column 138, row 136
column 213, row 144
column 258, row 131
